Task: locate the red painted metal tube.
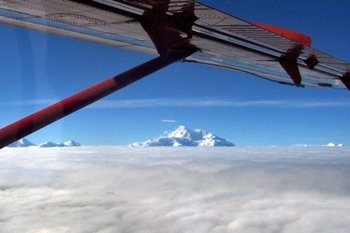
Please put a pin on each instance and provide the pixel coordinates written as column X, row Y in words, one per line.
column 44, row 117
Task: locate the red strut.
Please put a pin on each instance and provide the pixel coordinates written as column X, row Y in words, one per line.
column 40, row 119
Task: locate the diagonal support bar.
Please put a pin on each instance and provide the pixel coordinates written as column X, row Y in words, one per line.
column 44, row 117
column 290, row 65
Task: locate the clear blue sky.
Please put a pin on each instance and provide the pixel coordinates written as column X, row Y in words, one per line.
column 39, row 69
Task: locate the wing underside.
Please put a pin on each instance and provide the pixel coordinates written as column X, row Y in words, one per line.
column 223, row 41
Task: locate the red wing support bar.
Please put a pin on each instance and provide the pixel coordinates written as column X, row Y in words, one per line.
column 42, row 118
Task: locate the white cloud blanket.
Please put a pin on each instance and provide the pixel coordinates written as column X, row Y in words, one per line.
column 120, row 189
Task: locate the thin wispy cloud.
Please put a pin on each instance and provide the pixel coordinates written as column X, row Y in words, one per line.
column 154, row 103
column 39, row 102
column 196, row 102
column 169, row 121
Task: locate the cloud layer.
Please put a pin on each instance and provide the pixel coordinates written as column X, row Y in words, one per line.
column 119, row 189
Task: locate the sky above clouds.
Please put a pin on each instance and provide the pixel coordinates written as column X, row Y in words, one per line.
column 39, row 69
column 121, row 189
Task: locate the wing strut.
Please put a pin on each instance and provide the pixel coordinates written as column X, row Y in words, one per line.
column 290, row 65
column 44, row 117
column 289, row 62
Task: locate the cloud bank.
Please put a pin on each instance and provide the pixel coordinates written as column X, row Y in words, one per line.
column 120, row 189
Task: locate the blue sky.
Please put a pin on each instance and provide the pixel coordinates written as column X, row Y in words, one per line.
column 38, row 69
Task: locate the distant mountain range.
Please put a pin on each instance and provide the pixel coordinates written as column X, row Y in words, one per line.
column 331, row 144
column 186, row 137
column 26, row 143
column 182, row 136
column 70, row 143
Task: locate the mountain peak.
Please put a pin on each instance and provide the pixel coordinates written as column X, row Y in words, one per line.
column 331, row 144
column 51, row 144
column 181, row 132
column 70, row 143
column 21, row 143
column 183, row 136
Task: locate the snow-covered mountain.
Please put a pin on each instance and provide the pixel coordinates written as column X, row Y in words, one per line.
column 331, row 144
column 51, row 144
column 186, row 137
column 21, row 143
column 70, row 143
column 26, row 143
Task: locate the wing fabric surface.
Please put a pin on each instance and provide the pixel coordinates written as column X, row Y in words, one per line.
column 224, row 41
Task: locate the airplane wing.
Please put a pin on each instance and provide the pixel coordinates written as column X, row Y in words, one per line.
column 222, row 40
